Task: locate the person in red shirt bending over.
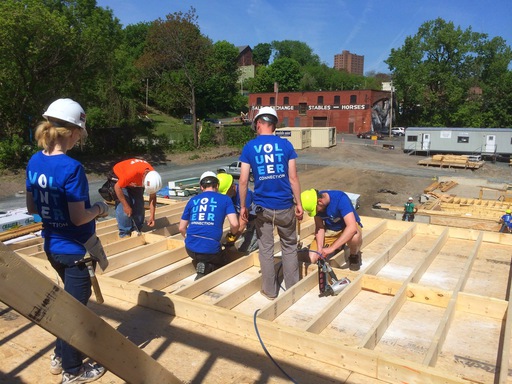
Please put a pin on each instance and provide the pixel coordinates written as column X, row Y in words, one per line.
column 132, row 178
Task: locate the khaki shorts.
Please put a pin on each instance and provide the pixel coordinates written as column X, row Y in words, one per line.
column 329, row 238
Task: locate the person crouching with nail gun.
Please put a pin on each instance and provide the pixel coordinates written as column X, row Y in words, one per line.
column 336, row 224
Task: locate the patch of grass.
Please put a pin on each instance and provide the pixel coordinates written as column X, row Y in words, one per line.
column 194, row 156
column 171, row 127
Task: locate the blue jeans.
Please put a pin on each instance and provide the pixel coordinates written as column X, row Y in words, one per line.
column 135, row 197
column 78, row 284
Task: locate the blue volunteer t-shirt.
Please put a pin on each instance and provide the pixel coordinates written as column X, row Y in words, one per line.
column 339, row 206
column 205, row 214
column 54, row 181
column 268, row 156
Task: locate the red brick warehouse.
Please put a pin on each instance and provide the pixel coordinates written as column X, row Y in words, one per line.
column 349, row 111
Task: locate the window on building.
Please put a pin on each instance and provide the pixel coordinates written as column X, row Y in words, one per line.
column 302, row 108
column 353, row 99
column 272, row 100
column 412, row 138
column 462, row 139
column 337, row 100
column 286, row 100
column 258, row 101
column 320, row 100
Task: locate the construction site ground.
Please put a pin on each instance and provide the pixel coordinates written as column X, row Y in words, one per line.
column 198, row 353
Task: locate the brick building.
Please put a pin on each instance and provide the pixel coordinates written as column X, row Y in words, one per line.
column 348, row 111
column 349, row 62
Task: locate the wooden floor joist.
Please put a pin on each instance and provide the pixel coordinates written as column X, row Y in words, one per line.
column 430, row 303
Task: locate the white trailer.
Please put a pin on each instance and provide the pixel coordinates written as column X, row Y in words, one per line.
column 486, row 142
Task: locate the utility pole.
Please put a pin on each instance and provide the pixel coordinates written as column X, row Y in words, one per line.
column 391, row 109
column 147, row 94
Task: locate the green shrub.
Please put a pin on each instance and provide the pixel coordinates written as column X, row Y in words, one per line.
column 14, row 153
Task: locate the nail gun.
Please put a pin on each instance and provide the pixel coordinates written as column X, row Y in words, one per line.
column 325, row 273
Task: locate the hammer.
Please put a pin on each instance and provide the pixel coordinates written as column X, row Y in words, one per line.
column 136, row 228
column 94, row 280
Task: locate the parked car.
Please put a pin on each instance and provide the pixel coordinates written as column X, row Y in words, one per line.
column 369, row 134
column 215, row 122
column 234, row 170
column 398, row 131
column 187, row 119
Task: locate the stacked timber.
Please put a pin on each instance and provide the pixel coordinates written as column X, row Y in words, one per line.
column 443, row 186
column 452, row 161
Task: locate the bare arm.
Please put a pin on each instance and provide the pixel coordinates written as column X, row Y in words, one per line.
column 120, row 195
column 319, row 237
column 183, row 227
column 77, row 212
column 80, row 215
column 152, row 209
column 348, row 233
column 294, row 182
column 243, row 185
column 31, row 205
column 233, row 222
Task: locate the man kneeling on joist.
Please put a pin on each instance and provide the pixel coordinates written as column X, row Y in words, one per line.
column 336, row 224
column 202, row 225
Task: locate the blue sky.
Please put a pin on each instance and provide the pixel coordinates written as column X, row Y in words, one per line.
column 364, row 27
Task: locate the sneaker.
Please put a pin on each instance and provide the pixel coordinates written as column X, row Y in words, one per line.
column 267, row 296
column 55, row 364
column 87, row 373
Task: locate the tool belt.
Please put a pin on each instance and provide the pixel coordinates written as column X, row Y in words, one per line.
column 107, row 190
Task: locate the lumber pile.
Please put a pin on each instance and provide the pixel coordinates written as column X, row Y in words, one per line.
column 452, row 161
column 443, row 186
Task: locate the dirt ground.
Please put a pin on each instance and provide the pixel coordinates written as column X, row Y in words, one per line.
column 376, row 173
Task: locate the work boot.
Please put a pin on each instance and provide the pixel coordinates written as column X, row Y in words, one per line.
column 200, row 269
column 203, row 269
column 355, row 261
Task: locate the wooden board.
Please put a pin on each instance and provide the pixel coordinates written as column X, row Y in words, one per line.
column 37, row 298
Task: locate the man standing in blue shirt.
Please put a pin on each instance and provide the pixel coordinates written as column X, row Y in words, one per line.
column 202, row 224
column 276, row 196
column 336, row 224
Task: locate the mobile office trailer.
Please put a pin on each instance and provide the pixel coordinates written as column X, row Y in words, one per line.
column 485, row 142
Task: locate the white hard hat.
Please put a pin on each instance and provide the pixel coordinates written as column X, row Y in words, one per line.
column 152, row 182
column 66, row 110
column 208, row 177
column 269, row 113
column 411, row 199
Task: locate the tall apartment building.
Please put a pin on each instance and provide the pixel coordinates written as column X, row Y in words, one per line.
column 349, row 62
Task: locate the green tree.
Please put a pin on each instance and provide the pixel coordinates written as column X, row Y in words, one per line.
column 175, row 54
column 287, row 73
column 220, row 89
column 53, row 49
column 296, row 50
column 261, row 53
column 435, row 71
